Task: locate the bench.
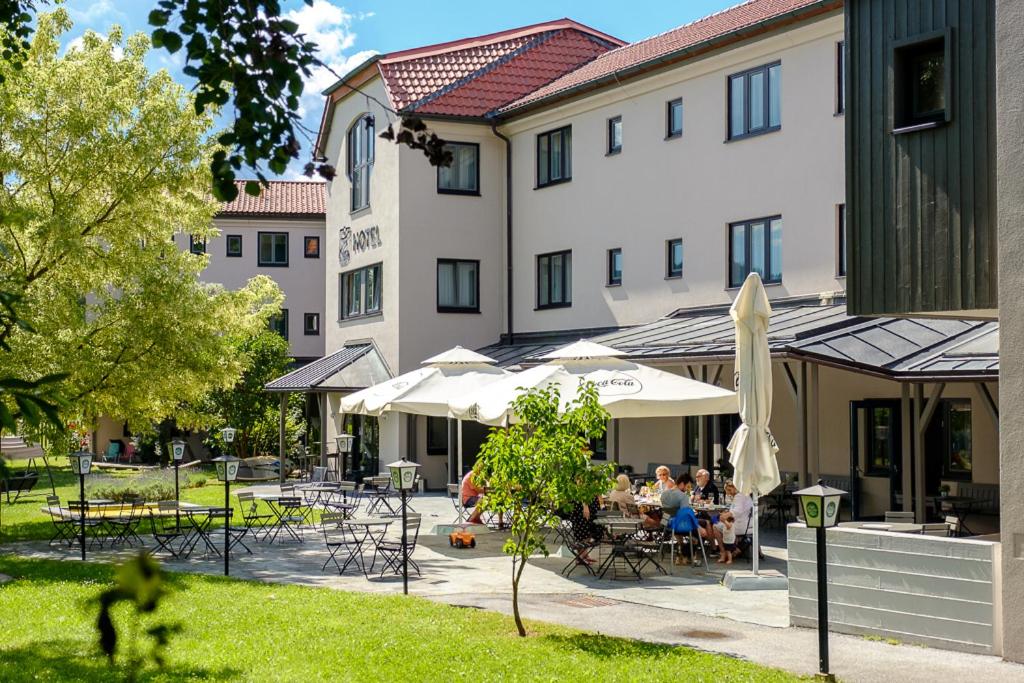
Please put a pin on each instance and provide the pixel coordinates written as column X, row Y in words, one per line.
column 18, row 484
column 987, row 496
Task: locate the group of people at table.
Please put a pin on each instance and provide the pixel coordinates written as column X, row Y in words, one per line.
column 722, row 517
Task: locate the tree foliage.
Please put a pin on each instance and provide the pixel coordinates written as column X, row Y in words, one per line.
column 103, row 164
column 250, row 409
column 539, row 466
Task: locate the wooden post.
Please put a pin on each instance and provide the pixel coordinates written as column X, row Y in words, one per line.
column 702, row 448
column 801, row 424
column 324, row 406
column 906, row 448
column 280, row 436
column 923, row 414
column 812, row 426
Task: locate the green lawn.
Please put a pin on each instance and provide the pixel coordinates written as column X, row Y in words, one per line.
column 23, row 521
column 240, row 631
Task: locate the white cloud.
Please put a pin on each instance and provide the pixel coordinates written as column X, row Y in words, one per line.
column 92, row 12
column 330, row 27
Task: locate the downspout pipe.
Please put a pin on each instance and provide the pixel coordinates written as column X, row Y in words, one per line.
column 508, row 230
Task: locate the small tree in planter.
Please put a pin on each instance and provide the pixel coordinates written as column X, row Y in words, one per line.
column 539, row 466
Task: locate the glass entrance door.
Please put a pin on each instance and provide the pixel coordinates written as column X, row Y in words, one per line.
column 875, row 448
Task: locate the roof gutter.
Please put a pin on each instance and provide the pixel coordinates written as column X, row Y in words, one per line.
column 762, row 26
column 508, row 231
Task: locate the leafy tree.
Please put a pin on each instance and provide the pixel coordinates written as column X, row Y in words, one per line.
column 102, row 165
column 539, row 466
column 248, row 55
column 250, row 409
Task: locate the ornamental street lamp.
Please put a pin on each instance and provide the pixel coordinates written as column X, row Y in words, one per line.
column 81, row 463
column 227, row 472
column 820, row 505
column 344, row 443
column 177, row 454
column 403, row 476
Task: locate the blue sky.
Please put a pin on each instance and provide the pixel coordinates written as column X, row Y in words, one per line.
column 349, row 31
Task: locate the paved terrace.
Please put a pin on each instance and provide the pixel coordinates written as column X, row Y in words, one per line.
column 689, row 607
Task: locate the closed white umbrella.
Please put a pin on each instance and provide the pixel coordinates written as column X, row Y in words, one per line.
column 625, row 389
column 427, row 390
column 752, row 448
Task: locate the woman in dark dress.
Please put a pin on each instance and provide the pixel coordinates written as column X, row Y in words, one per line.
column 584, row 528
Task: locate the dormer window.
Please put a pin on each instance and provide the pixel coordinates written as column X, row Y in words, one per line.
column 359, row 161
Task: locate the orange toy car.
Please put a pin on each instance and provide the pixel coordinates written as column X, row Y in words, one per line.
column 462, row 538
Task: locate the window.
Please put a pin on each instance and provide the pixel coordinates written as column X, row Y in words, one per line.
column 599, row 447
column 234, row 245
column 311, row 324
column 754, row 101
column 360, row 292
column 840, row 77
column 882, row 432
column 311, row 246
column 458, row 286
column 554, row 280
column 554, row 157
column 841, row 240
column 958, row 460
column 921, row 79
column 279, row 323
column 674, row 258
column 614, row 267
column 273, row 249
column 615, row 135
column 437, row 436
column 691, row 439
column 755, row 246
column 463, row 176
column 674, row 119
column 197, row 245
column 359, row 161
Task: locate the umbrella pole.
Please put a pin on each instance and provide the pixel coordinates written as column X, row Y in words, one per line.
column 754, row 559
column 459, row 477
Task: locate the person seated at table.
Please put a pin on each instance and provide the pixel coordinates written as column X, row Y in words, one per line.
column 471, row 495
column 741, row 508
column 706, row 489
column 664, row 479
column 672, row 499
column 725, row 537
column 584, row 529
column 620, row 496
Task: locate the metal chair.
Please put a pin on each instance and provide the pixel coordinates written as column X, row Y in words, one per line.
column 578, row 547
column 166, row 527
column 124, row 527
column 257, row 523
column 453, row 493
column 899, row 516
column 685, row 522
column 340, row 538
column 64, row 529
column 935, row 529
column 390, row 549
column 290, row 517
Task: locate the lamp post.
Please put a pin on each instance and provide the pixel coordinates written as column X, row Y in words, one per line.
column 820, row 505
column 81, row 463
column 227, row 472
column 177, row 454
column 344, row 443
column 403, row 476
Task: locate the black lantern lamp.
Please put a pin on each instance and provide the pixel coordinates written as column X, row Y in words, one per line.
column 403, row 477
column 820, row 507
column 81, row 464
column 227, row 472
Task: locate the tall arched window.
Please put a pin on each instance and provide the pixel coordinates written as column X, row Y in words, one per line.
column 360, row 160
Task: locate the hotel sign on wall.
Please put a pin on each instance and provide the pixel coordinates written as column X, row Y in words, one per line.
column 356, row 242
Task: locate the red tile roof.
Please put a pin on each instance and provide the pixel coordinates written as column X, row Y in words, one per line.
column 728, row 21
column 475, row 76
column 283, row 198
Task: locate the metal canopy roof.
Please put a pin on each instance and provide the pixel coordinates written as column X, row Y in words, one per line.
column 355, row 365
column 900, row 348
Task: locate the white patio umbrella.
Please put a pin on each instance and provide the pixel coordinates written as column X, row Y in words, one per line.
column 625, row 388
column 427, row 390
column 752, row 448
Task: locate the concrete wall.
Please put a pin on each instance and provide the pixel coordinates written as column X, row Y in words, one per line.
column 301, row 281
column 690, row 187
column 934, row 591
column 1010, row 208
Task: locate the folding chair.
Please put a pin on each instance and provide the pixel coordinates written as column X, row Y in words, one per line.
column 166, row 528
column 94, row 526
column 63, row 525
column 236, row 534
column 124, row 527
column 257, row 523
column 290, row 517
column 390, row 549
column 340, row 539
column 899, row 516
column 453, row 493
column 577, row 547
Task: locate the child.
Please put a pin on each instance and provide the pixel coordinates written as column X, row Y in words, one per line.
column 726, row 538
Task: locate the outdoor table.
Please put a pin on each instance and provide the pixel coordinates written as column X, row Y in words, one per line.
column 199, row 519
column 283, row 508
column 368, row 525
column 896, row 527
column 620, row 532
column 380, row 494
column 322, row 492
column 960, row 507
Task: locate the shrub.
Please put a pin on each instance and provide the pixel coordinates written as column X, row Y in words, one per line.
column 149, row 487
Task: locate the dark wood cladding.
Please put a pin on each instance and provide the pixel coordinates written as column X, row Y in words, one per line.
column 921, row 218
